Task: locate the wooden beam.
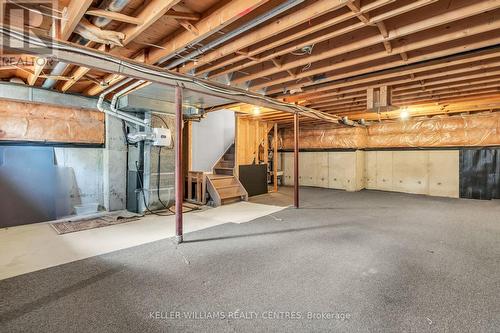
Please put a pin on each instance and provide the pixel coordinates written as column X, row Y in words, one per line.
column 38, row 68
column 182, row 15
column 72, row 16
column 383, row 29
column 274, row 28
column 149, row 15
column 298, row 39
column 188, row 26
column 114, row 16
column 77, row 75
column 207, row 26
column 487, row 40
column 484, row 23
column 477, row 61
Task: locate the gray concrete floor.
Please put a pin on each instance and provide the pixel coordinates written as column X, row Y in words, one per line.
column 358, row 262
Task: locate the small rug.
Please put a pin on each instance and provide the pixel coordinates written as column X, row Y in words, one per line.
column 105, row 221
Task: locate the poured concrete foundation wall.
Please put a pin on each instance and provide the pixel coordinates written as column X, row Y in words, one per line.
column 167, row 168
column 430, row 172
column 115, row 166
column 85, row 182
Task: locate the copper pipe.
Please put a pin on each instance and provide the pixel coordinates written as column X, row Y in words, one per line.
column 179, row 179
column 296, row 160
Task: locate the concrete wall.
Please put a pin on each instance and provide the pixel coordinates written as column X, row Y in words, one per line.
column 211, row 137
column 98, row 174
column 85, row 183
column 115, row 166
column 167, row 168
column 430, row 172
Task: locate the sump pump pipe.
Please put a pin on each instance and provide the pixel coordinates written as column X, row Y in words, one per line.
column 121, row 115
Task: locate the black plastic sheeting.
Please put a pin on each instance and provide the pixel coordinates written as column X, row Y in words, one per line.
column 27, row 185
column 480, row 173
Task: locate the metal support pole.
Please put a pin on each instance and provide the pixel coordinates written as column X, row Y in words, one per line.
column 296, row 160
column 275, row 159
column 179, row 177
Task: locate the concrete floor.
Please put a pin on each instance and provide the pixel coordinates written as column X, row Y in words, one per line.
column 346, row 262
column 29, row 248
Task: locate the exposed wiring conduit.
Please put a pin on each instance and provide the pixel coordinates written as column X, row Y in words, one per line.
column 112, row 6
column 245, row 27
column 56, row 45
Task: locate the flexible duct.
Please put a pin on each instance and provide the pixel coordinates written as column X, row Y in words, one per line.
column 110, row 5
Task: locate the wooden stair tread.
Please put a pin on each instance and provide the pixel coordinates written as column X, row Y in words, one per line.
column 214, row 176
column 223, row 186
column 227, row 186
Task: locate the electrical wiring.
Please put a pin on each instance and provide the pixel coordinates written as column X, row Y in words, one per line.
column 143, row 194
column 37, row 11
column 158, row 179
column 55, row 45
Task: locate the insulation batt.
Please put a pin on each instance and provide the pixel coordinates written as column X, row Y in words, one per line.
column 454, row 131
column 91, row 32
column 36, row 122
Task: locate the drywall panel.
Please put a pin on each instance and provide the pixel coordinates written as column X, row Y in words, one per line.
column 211, row 137
column 370, row 173
column 444, row 173
column 410, row 171
column 384, row 170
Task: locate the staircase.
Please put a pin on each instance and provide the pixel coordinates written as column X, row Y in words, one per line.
column 222, row 185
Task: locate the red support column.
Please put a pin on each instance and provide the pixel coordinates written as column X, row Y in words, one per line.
column 296, row 160
column 179, row 177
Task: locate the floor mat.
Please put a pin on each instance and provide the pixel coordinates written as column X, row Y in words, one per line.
column 74, row 226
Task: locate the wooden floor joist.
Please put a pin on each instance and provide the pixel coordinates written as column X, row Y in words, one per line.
column 323, row 54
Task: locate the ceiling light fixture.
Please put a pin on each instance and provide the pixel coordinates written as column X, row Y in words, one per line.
column 404, row 114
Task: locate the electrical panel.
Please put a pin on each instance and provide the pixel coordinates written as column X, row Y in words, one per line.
column 162, row 137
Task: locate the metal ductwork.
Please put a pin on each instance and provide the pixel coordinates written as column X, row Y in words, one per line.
column 29, row 94
column 110, row 5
